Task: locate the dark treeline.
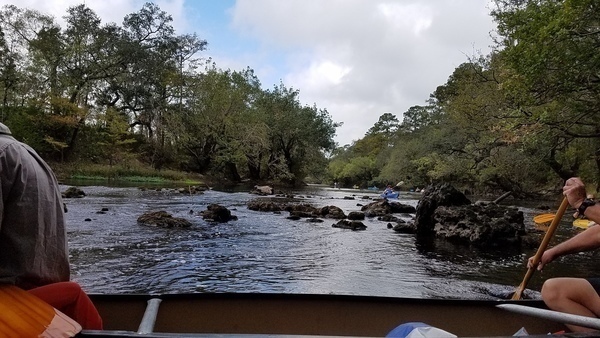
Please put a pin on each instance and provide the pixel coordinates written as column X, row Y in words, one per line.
column 522, row 119
column 106, row 94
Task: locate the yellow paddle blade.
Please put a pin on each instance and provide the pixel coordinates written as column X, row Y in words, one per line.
column 24, row 315
column 543, row 218
column 582, row 223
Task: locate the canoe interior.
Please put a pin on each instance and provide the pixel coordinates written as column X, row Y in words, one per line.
column 300, row 314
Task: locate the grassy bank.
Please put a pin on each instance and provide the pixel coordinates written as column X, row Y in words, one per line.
column 129, row 173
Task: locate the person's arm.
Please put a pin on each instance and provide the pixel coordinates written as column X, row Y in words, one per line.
column 574, row 191
column 584, row 241
column 592, row 212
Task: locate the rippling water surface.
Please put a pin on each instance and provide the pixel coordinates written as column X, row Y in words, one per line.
column 265, row 252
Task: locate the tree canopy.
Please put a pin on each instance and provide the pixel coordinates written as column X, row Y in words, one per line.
column 523, row 118
column 112, row 94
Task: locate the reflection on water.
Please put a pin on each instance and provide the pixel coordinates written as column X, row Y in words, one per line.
column 265, row 252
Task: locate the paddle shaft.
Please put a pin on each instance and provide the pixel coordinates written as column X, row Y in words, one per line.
column 542, row 248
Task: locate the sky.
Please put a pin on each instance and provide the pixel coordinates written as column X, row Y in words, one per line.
column 358, row 59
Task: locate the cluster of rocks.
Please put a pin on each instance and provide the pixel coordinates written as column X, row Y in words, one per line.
column 442, row 212
column 313, row 214
column 213, row 213
column 190, row 190
column 296, row 210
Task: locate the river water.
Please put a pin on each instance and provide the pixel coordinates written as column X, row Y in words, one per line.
column 265, row 252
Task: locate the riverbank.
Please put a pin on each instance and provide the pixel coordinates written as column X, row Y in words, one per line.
column 129, row 173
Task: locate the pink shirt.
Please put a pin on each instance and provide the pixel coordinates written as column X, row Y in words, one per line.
column 33, row 243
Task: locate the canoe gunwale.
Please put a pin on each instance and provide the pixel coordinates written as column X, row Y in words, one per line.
column 230, row 314
column 320, row 297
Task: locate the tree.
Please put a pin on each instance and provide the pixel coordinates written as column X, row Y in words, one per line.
column 294, row 131
column 216, row 133
column 417, row 117
column 114, row 136
column 387, row 125
column 552, row 55
column 8, row 75
column 70, row 92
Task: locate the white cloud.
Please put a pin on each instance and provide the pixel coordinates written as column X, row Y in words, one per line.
column 108, row 10
column 383, row 55
column 320, row 75
column 356, row 58
column 414, row 17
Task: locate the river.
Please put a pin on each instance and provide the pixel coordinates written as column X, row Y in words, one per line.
column 265, row 252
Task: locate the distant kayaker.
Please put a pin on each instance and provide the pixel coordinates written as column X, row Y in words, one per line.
column 578, row 296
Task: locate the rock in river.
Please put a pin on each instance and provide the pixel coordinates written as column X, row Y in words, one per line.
column 163, row 219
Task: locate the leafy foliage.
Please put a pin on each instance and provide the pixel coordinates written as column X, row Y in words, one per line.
column 521, row 119
column 117, row 95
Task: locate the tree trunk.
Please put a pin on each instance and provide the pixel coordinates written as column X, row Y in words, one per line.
column 231, row 172
column 254, row 165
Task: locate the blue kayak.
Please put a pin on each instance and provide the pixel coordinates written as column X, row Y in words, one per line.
column 393, row 194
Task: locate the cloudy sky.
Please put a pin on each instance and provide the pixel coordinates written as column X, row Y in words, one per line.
column 356, row 58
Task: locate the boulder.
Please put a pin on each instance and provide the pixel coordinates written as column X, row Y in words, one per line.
column 436, row 196
column 73, row 192
column 352, row 225
column 356, row 215
column 488, row 225
column 163, row 219
column 217, row 213
column 262, row 190
column 331, row 211
column 384, row 207
column 301, row 208
column 404, row 227
column 444, row 212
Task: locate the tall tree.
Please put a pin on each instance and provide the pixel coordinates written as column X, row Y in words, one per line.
column 552, row 55
column 294, row 130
